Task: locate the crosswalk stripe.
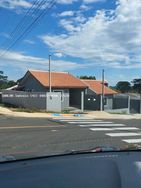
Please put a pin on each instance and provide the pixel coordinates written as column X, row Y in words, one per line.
column 75, row 122
column 126, row 128
column 113, row 129
column 132, row 141
column 123, row 134
column 101, row 129
column 102, row 125
column 73, row 119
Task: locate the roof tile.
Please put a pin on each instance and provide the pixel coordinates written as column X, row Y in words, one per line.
column 96, row 86
column 58, row 79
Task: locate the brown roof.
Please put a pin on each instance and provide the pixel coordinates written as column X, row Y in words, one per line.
column 58, row 79
column 96, row 86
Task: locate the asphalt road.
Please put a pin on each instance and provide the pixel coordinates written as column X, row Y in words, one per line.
column 30, row 137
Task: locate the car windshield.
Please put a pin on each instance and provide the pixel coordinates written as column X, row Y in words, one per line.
column 70, row 77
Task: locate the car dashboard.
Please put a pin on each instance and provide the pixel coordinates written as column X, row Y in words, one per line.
column 88, row 170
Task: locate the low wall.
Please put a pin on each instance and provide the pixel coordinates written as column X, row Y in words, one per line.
column 120, row 102
column 31, row 100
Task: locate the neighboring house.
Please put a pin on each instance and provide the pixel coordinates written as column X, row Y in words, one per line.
column 74, row 91
column 12, row 88
column 38, row 81
column 94, row 92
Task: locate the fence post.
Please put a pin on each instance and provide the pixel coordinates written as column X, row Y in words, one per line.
column 128, row 104
column 82, row 101
column 101, row 103
column 46, row 100
column 140, row 103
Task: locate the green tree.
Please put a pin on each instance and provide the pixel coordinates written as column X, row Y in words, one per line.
column 137, row 85
column 4, row 82
column 123, row 86
column 87, row 77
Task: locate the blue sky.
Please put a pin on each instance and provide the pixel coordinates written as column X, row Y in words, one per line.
column 83, row 37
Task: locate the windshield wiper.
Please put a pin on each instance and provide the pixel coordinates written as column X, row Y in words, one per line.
column 103, row 149
column 94, row 150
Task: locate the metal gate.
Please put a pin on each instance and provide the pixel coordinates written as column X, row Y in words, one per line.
column 92, row 102
column 134, row 106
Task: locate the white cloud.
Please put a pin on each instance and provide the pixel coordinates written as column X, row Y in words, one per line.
column 12, row 4
column 29, row 41
column 66, row 13
column 110, row 38
column 22, row 61
column 16, row 4
column 93, row 1
column 68, row 25
column 58, row 54
column 74, row 23
column 66, row 1
column 5, row 35
column 84, row 7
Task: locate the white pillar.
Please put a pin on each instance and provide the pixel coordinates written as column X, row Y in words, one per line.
column 101, row 103
column 140, row 103
column 82, row 101
column 46, row 100
column 128, row 104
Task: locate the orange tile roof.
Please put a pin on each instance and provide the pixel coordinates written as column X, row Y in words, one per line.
column 96, row 86
column 58, row 79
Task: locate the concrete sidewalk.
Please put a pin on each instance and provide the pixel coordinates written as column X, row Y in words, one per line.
column 89, row 114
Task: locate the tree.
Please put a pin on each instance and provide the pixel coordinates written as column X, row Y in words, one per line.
column 2, row 77
column 4, row 82
column 137, row 85
column 123, row 86
column 87, row 77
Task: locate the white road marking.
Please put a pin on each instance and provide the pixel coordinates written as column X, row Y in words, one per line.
column 126, row 128
column 113, row 129
column 75, row 122
column 123, row 134
column 132, row 141
column 102, row 125
column 74, row 118
column 101, row 129
column 54, row 130
column 33, row 127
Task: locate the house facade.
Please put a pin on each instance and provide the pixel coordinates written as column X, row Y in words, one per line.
column 93, row 95
column 65, row 83
column 74, row 92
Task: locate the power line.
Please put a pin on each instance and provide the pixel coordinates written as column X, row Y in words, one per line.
column 24, row 18
column 20, row 26
column 36, row 21
column 30, row 27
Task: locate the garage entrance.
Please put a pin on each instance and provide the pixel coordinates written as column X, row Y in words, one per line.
column 75, row 98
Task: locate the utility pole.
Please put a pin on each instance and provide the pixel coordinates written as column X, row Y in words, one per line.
column 103, row 72
column 49, row 73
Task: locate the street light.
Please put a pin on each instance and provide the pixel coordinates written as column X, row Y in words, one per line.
column 103, row 72
column 49, row 58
